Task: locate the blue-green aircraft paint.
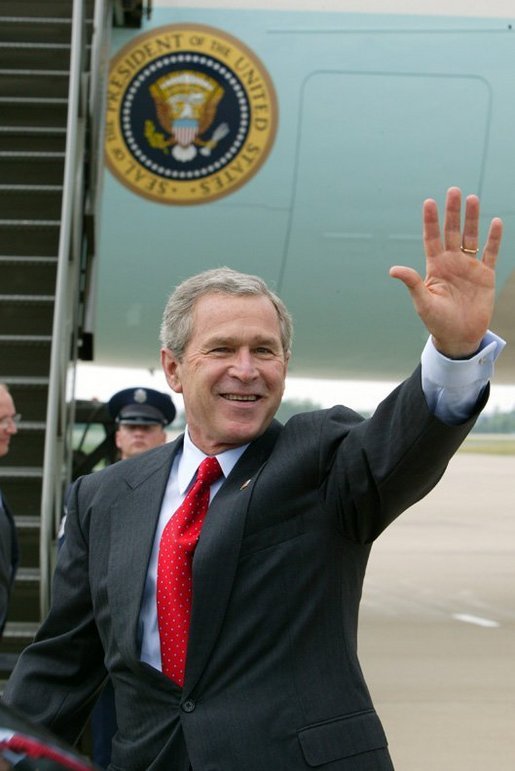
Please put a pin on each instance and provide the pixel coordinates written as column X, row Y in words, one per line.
column 374, row 112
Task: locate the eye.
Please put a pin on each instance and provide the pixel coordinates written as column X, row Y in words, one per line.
column 263, row 350
column 221, row 350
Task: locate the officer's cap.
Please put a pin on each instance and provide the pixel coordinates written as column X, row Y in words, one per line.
column 141, row 406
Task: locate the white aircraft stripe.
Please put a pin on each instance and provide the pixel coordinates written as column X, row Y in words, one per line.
column 469, row 619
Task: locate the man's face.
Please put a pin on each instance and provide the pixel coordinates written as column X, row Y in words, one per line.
column 134, row 439
column 233, row 371
column 7, row 410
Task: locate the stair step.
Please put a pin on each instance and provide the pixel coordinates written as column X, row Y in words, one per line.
column 35, row 56
column 22, row 356
column 38, row 112
column 19, row 29
column 20, row 472
column 26, row 314
column 24, row 139
column 31, row 168
column 18, row 273
column 30, row 524
column 35, row 202
column 38, row 8
column 26, row 238
column 25, row 382
column 49, row 84
column 28, row 575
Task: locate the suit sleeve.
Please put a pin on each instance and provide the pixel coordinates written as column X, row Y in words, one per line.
column 5, row 566
column 375, row 469
column 57, row 678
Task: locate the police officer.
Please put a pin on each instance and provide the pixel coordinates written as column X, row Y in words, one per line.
column 140, row 415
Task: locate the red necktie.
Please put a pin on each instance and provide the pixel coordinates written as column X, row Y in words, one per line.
column 176, row 550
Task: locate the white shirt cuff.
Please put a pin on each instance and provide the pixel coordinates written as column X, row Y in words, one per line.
column 453, row 386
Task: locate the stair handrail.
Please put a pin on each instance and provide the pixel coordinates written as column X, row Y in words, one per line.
column 100, row 47
column 97, row 97
column 68, row 267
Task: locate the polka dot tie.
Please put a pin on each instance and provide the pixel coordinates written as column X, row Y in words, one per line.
column 174, row 581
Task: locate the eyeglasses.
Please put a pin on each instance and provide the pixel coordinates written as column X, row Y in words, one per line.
column 10, row 420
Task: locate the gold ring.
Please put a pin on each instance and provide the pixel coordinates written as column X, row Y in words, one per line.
column 468, row 251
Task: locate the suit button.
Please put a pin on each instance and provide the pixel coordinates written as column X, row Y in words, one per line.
column 188, row 706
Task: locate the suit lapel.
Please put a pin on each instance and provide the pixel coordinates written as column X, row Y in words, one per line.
column 134, row 518
column 217, row 553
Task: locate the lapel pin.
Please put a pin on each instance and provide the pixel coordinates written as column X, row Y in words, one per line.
column 245, row 484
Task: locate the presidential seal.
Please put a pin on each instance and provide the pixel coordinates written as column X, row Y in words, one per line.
column 191, row 114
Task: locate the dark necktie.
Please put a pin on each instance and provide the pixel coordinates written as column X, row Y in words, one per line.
column 174, row 580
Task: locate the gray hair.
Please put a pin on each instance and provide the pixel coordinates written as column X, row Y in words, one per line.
column 177, row 323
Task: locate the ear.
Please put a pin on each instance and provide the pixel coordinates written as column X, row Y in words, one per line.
column 117, row 440
column 171, row 368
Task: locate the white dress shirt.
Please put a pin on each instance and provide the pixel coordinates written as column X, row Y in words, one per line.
column 183, row 471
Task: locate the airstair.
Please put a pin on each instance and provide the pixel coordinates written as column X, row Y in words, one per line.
column 53, row 59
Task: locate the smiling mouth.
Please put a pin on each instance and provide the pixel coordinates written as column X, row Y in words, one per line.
column 241, row 397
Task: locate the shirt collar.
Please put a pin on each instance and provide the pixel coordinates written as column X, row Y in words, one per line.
column 192, row 457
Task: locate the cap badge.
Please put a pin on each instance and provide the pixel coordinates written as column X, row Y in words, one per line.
column 140, row 395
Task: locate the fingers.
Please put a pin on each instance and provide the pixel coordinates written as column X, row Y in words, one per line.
column 452, row 226
column 431, row 229
column 493, row 243
column 454, row 237
column 470, row 237
column 413, row 282
column 408, row 276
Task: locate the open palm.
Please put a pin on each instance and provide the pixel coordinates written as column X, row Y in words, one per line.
column 456, row 299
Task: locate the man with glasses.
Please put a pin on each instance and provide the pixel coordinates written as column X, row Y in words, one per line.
column 8, row 541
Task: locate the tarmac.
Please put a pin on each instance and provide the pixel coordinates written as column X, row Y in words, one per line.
column 437, row 630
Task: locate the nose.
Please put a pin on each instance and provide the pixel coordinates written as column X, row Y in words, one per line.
column 11, row 427
column 244, row 366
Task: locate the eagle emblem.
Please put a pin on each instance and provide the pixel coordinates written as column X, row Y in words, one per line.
column 186, row 102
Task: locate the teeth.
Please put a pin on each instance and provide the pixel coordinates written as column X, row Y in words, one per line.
column 239, row 398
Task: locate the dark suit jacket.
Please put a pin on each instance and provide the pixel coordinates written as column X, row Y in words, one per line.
column 8, row 558
column 273, row 681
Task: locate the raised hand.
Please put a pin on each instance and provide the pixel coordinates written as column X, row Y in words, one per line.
column 456, row 299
